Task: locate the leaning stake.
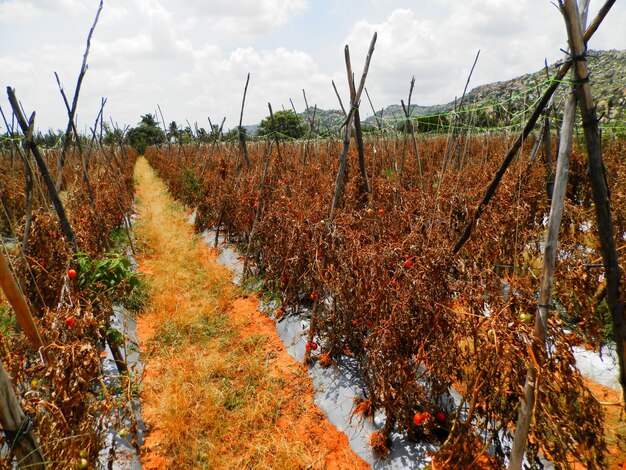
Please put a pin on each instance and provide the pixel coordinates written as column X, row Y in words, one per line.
column 531, row 385
column 491, row 189
column 17, row 427
column 595, row 169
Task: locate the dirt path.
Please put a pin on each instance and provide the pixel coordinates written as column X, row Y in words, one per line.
column 219, row 389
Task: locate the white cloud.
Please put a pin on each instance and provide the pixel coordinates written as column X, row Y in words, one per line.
column 249, row 16
column 215, row 83
column 17, row 12
column 192, row 56
column 71, row 7
column 439, row 53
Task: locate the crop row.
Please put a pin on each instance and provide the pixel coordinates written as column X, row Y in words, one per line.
column 69, row 288
column 384, row 287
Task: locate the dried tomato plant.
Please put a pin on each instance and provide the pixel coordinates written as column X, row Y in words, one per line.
column 386, row 290
column 71, row 401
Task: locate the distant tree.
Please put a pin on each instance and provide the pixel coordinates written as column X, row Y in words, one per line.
column 233, row 134
column 215, row 132
column 173, row 132
column 286, row 124
column 202, row 135
column 367, row 129
column 48, row 140
column 113, row 137
column 149, row 120
column 188, row 135
column 146, row 133
column 433, row 123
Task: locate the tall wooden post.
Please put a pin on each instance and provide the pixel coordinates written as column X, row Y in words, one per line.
column 22, row 312
column 527, row 404
column 17, row 427
column 599, row 186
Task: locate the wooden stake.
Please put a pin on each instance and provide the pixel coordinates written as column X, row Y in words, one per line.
column 491, row 189
column 22, row 311
column 597, row 177
column 527, row 404
column 71, row 125
column 240, row 134
column 17, row 427
column 43, row 169
column 343, row 161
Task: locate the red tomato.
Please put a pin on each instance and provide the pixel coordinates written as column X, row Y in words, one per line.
column 70, row 322
column 71, row 273
column 355, row 323
column 441, row 416
column 408, row 263
column 381, row 212
column 422, row 418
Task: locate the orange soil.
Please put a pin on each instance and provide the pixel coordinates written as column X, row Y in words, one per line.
column 615, row 424
column 300, row 420
column 311, row 425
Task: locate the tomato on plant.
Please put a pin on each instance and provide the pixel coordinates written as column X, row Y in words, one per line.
column 82, row 463
column 381, row 212
column 422, row 418
column 70, row 322
column 71, row 273
column 408, row 263
column 441, row 416
column 525, row 318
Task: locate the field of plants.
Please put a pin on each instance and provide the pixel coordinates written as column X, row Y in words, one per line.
column 385, row 288
column 427, row 257
column 375, row 268
column 70, row 276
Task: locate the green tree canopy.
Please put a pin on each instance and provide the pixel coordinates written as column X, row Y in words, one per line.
column 233, row 134
column 146, row 133
column 287, row 125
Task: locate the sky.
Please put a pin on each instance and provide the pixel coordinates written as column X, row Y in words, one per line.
column 191, row 57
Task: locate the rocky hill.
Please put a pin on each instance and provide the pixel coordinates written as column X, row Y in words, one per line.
column 505, row 103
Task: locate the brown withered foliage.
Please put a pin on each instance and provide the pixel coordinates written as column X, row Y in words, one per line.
column 417, row 318
column 71, row 400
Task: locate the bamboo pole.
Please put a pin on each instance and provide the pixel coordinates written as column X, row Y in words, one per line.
column 22, row 311
column 531, row 384
column 597, row 178
column 17, row 427
column 354, row 102
column 547, row 95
